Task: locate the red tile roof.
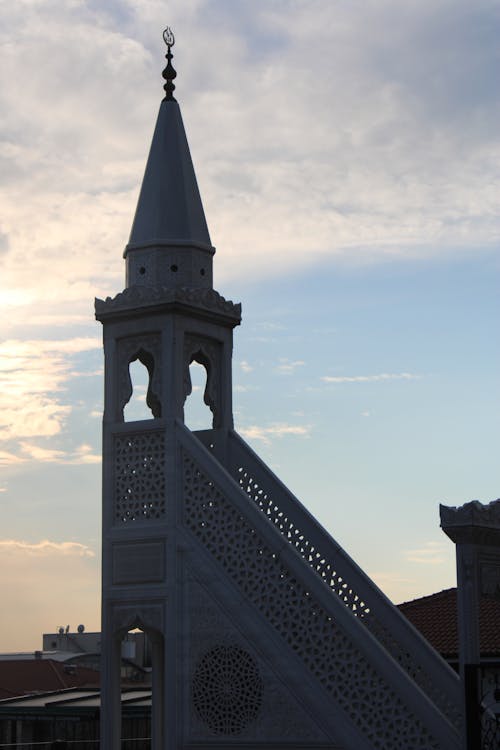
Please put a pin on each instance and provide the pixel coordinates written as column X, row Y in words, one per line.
column 436, row 618
column 24, row 677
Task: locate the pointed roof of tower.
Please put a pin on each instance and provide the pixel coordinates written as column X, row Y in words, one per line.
column 169, row 210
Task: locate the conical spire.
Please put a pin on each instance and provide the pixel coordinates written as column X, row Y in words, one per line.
column 169, row 207
column 169, row 217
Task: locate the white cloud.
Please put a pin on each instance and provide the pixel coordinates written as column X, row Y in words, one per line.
column 37, row 453
column 400, row 160
column 82, row 455
column 264, row 434
column 245, row 366
column 9, row 459
column 46, row 547
column 32, row 375
column 370, row 378
column 431, row 553
column 288, row 367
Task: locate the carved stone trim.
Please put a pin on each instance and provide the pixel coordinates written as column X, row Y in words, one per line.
column 146, row 296
column 472, row 523
column 208, row 353
column 472, row 513
column 147, row 617
column 147, row 349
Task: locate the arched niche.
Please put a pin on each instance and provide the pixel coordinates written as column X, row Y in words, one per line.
column 147, row 352
column 206, row 352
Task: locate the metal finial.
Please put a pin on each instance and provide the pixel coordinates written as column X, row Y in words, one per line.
column 169, row 73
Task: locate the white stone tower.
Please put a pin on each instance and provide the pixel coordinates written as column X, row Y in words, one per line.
column 265, row 634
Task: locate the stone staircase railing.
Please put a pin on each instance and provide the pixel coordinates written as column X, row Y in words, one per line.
column 316, row 598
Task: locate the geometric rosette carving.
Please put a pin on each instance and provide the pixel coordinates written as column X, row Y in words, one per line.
column 139, row 476
column 324, row 648
column 227, row 689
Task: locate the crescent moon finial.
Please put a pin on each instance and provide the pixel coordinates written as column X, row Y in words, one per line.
column 169, row 73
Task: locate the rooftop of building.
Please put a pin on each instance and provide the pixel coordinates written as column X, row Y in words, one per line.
column 435, row 616
column 19, row 676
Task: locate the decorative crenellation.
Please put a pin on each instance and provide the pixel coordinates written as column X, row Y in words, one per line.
column 473, row 513
column 139, row 461
column 147, row 349
column 312, row 634
column 149, row 296
column 323, row 563
column 206, row 352
column 472, row 523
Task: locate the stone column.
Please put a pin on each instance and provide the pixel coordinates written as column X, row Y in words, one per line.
column 475, row 530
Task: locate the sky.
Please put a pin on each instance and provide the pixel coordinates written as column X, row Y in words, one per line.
column 348, row 158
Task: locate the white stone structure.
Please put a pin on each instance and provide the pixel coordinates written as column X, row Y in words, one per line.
column 265, row 633
column 475, row 530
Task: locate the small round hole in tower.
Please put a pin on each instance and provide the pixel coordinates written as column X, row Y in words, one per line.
column 174, row 268
column 202, row 272
column 142, row 270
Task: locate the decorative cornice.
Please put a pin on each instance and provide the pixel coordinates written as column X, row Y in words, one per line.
column 148, row 296
column 473, row 522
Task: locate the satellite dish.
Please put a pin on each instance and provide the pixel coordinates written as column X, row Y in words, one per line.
column 81, row 628
column 61, row 630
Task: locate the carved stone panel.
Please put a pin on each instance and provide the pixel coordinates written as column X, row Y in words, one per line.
column 490, row 579
column 233, row 694
column 326, row 650
column 139, row 486
column 138, row 562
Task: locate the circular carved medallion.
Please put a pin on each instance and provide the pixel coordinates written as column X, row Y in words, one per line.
column 227, row 689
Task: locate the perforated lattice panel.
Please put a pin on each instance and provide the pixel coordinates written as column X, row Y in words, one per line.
column 227, row 689
column 324, row 648
column 325, row 567
column 139, row 476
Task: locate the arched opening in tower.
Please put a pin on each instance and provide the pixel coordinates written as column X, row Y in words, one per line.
column 137, row 408
column 197, row 414
column 141, row 675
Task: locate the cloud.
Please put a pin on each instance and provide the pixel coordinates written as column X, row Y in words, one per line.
column 369, row 378
column 38, row 453
column 45, row 548
column 32, row 375
column 82, row 455
column 276, row 430
column 400, row 159
column 431, row 553
column 9, row 459
column 288, row 367
column 245, row 366
column 4, row 243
